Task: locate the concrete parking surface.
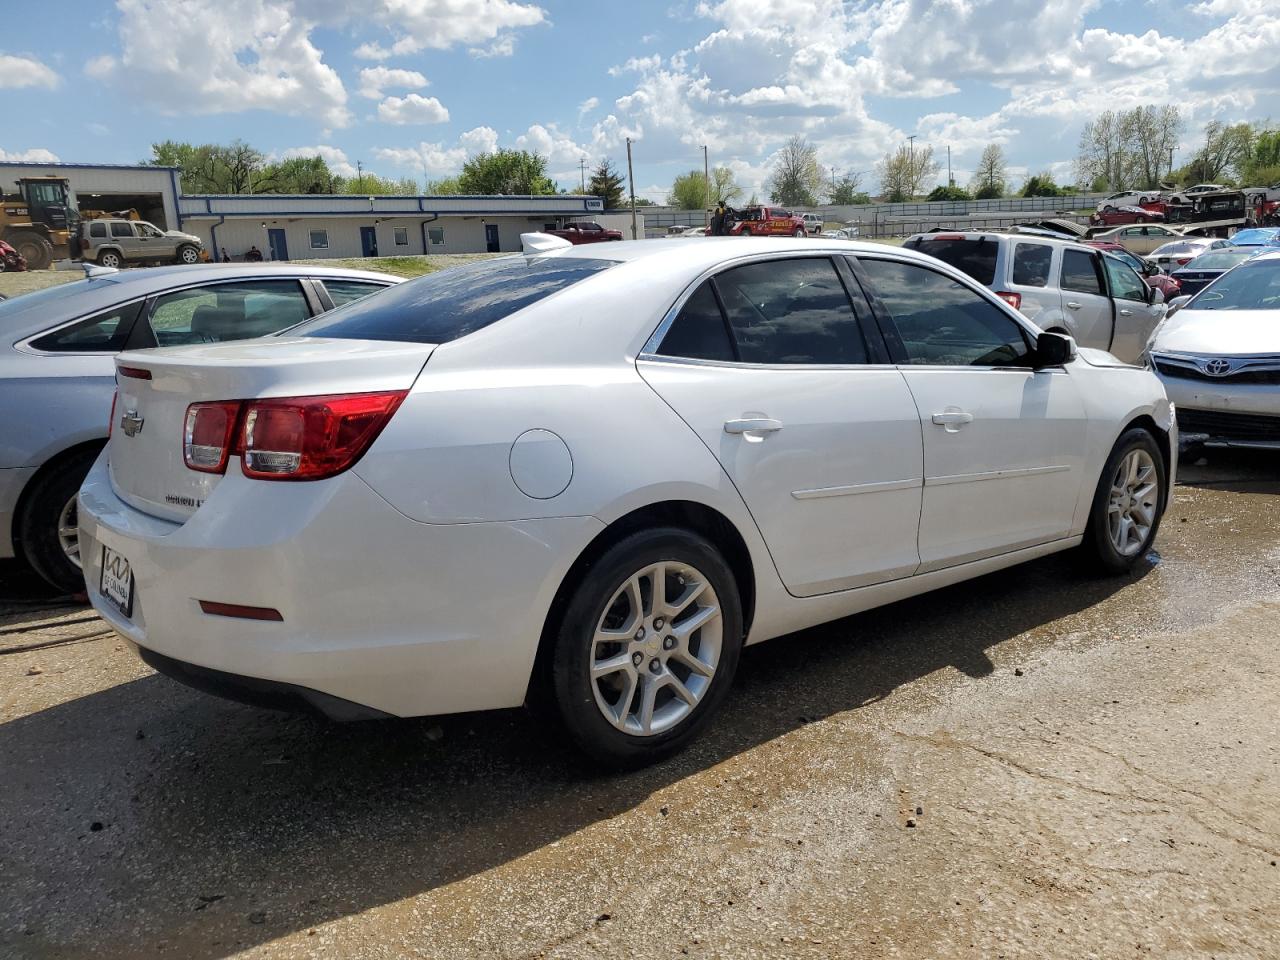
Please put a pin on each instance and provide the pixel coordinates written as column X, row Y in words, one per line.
column 1034, row 764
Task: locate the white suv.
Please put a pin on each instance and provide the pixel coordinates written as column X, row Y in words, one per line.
column 1060, row 285
column 813, row 223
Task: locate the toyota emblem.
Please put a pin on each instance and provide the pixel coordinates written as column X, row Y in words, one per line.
column 1217, row 367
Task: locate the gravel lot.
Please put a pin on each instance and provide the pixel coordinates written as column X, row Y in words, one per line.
column 1035, row 764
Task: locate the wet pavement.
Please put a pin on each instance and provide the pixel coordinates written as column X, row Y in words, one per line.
column 1034, row 764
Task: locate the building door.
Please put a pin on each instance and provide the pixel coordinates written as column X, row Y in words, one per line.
column 368, row 242
column 276, row 242
column 491, row 238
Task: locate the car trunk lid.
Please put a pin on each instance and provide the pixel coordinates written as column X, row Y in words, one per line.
column 155, row 388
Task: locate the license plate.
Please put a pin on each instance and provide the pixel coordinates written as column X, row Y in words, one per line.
column 117, row 581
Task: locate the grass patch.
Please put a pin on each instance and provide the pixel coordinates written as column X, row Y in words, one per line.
column 408, row 267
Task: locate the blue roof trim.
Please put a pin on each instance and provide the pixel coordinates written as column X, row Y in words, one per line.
column 85, row 166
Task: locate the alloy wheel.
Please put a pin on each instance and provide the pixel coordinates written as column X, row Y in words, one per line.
column 656, row 648
column 69, row 532
column 1131, row 509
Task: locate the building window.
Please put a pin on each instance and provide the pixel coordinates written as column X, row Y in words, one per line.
column 436, row 234
column 319, row 239
column 402, row 236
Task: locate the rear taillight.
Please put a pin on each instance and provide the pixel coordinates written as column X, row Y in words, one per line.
column 309, row 438
column 1183, row 261
column 208, row 435
column 1012, row 299
column 84, row 243
column 290, row 438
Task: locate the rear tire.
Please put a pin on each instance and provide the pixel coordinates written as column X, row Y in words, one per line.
column 37, row 251
column 1127, row 505
column 799, row 232
column 746, row 232
column 47, row 543
column 109, row 258
column 187, row 254
column 674, row 658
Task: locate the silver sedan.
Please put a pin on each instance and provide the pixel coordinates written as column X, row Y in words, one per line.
column 57, row 374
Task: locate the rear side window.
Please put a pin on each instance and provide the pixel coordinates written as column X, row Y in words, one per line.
column 342, row 292
column 791, row 311
column 699, row 332
column 104, row 332
column 1031, row 264
column 98, row 229
column 450, row 304
column 1080, row 272
column 976, row 257
column 227, row 311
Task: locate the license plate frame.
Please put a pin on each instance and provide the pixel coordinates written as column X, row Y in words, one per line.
column 116, row 581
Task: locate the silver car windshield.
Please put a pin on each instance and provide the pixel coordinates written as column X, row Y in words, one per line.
column 1254, row 285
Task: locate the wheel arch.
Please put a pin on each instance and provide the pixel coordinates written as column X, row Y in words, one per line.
column 1146, row 422
column 93, row 447
column 689, row 515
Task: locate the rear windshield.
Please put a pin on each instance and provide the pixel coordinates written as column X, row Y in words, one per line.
column 1218, row 260
column 976, row 257
column 450, row 304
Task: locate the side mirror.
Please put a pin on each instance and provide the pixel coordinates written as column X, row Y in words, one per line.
column 1053, row 350
column 1176, row 304
column 1155, row 295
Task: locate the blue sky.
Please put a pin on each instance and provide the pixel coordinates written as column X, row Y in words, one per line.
column 412, row 87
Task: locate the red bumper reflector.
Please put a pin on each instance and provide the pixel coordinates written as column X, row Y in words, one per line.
column 137, row 373
column 240, row 611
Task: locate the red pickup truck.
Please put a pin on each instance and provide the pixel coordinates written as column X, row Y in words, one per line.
column 585, row 231
column 768, row 222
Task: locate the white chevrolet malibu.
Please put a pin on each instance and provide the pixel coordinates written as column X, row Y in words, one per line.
column 594, row 475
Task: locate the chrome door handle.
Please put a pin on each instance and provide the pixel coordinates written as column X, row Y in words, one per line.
column 952, row 420
column 752, row 425
column 1072, row 305
column 1126, row 313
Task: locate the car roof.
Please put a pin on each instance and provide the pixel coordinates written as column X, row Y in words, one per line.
column 703, row 253
column 1037, row 237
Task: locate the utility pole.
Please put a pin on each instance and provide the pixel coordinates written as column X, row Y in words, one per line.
column 631, row 183
column 951, row 181
column 360, row 175
column 582, row 173
column 911, row 165
column 706, row 189
column 833, row 181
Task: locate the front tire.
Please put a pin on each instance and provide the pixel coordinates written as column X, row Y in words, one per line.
column 646, row 648
column 1128, row 504
column 109, row 258
column 48, row 525
column 188, row 254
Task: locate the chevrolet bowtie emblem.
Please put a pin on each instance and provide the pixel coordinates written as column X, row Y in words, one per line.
column 131, row 423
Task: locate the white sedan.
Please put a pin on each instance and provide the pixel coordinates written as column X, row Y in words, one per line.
column 1219, row 358
column 594, row 475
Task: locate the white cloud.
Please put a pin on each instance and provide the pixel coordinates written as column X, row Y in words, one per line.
column 587, row 105
column 335, row 159
column 17, row 72
column 503, row 46
column 428, row 25
column 431, row 159
column 412, row 108
column 479, row 140
column 34, row 155
column 374, row 79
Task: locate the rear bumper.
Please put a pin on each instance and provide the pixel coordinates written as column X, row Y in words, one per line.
column 401, row 617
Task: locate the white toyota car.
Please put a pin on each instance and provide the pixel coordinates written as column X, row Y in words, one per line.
column 595, row 474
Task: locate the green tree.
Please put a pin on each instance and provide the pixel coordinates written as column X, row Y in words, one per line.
column 607, row 184
column 1263, row 165
column 796, row 178
column 723, row 186
column 506, row 173
column 689, row 191
column 444, row 187
column 990, row 179
column 844, row 192
column 297, row 175
column 372, row 185
column 1227, row 149
column 949, row 193
column 1042, row 185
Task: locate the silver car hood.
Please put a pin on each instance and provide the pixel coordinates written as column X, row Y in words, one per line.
column 1227, row 332
column 179, row 235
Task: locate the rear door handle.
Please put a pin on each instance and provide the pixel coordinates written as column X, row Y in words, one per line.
column 952, row 420
column 1126, row 313
column 752, row 425
column 1072, row 305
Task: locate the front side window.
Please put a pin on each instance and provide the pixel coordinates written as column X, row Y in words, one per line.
column 319, row 239
column 402, row 236
column 699, row 331
column 791, row 311
column 227, row 311
column 1080, row 272
column 104, row 332
column 121, row 228
column 1031, row 263
column 452, row 303
column 942, row 322
column 1125, row 284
